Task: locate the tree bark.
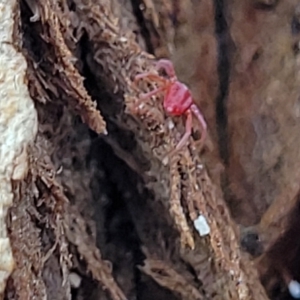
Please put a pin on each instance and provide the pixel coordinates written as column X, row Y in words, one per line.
column 93, row 206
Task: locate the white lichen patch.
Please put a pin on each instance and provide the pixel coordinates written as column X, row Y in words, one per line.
column 18, row 127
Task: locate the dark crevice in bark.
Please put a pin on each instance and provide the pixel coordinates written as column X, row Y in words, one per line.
column 136, row 5
column 223, row 73
column 222, row 35
column 119, row 227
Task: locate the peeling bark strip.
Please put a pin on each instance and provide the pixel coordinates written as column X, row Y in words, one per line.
column 18, row 127
column 235, row 278
column 162, row 273
column 81, row 101
column 66, row 76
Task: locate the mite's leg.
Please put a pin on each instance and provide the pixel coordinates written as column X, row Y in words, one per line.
column 149, row 75
column 202, row 122
column 145, row 96
column 166, row 65
column 188, row 130
column 153, row 77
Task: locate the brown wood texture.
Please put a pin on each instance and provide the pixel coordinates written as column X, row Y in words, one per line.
column 104, row 212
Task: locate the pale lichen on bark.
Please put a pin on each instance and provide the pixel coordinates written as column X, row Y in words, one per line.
column 18, row 127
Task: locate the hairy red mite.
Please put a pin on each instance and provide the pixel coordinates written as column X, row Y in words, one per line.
column 177, row 99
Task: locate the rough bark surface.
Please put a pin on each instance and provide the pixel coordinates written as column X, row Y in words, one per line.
column 99, row 209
